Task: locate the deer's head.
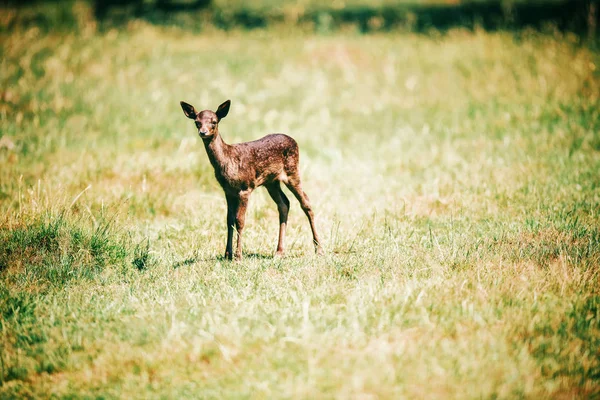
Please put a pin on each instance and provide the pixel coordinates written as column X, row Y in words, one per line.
column 207, row 121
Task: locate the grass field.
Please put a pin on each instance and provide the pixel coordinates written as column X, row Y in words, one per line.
column 455, row 180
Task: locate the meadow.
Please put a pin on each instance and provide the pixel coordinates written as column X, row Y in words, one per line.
column 455, row 179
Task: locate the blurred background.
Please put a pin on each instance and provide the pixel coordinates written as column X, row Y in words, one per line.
column 579, row 16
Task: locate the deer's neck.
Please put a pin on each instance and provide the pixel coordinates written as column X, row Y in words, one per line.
column 218, row 153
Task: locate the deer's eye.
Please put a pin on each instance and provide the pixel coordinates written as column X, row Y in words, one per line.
column 198, row 124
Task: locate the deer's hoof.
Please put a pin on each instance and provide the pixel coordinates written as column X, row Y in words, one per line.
column 278, row 254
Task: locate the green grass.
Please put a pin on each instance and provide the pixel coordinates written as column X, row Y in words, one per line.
column 454, row 177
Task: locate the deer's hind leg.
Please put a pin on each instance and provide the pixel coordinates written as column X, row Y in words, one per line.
column 293, row 183
column 283, row 206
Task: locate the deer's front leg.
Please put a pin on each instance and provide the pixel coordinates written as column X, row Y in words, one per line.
column 240, row 220
column 232, row 208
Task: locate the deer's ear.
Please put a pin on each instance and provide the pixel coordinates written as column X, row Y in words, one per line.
column 188, row 110
column 223, row 110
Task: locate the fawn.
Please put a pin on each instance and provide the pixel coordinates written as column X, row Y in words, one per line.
column 241, row 168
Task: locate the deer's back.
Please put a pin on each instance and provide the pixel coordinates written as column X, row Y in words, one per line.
column 273, row 148
column 271, row 158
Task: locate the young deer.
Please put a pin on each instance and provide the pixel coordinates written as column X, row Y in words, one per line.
column 242, row 167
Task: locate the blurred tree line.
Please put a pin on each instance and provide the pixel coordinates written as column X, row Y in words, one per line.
column 138, row 8
column 580, row 16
